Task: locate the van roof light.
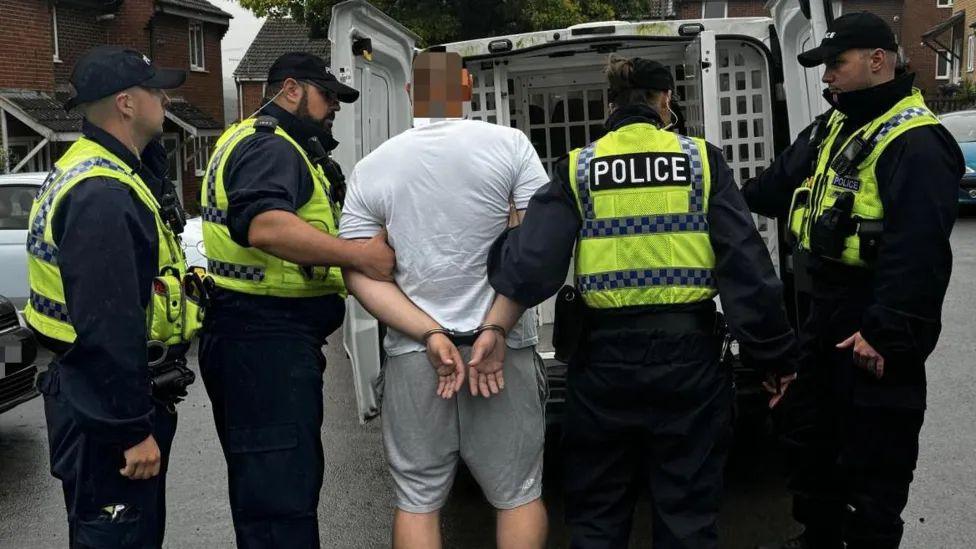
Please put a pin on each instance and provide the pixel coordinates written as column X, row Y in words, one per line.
column 690, row 29
column 499, row 46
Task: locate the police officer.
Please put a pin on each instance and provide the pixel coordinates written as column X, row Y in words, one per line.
column 661, row 229
column 104, row 258
column 270, row 218
column 869, row 195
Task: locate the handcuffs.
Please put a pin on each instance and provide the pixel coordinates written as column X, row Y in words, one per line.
column 468, row 337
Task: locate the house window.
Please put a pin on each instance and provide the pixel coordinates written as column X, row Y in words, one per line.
column 943, row 65
column 54, row 33
column 970, row 53
column 196, row 46
column 201, row 153
column 715, row 9
column 943, row 3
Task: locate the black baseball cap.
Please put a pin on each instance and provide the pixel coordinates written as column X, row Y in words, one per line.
column 310, row 68
column 105, row 70
column 850, row 31
column 651, row 75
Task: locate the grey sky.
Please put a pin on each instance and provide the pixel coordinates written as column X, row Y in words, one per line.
column 243, row 28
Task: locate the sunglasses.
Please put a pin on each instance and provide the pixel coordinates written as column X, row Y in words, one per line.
column 329, row 95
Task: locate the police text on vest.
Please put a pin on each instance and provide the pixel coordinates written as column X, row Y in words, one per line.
column 640, row 170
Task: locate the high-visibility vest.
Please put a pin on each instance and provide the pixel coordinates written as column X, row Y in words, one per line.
column 643, row 195
column 175, row 312
column 820, row 191
column 250, row 270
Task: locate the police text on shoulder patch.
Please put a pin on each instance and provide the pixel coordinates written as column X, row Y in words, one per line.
column 628, row 171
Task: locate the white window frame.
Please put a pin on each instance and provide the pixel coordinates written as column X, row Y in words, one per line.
column 971, row 53
column 176, row 178
column 941, row 63
column 197, row 47
column 725, row 11
column 201, row 153
column 943, row 3
column 54, row 34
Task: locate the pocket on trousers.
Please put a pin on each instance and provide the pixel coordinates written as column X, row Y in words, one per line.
column 263, row 438
column 103, row 533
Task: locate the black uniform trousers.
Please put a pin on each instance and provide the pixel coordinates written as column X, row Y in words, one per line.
column 88, row 469
column 267, row 403
column 646, row 409
column 853, row 442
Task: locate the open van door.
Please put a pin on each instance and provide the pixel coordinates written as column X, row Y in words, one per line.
column 700, row 66
column 372, row 53
column 800, row 29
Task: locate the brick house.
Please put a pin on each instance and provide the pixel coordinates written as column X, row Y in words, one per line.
column 42, row 39
column 968, row 61
column 933, row 31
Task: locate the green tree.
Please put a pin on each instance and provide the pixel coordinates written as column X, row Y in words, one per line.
column 440, row 21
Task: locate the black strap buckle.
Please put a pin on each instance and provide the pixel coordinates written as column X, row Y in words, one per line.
column 464, row 338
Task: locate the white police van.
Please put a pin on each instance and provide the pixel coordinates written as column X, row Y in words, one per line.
column 737, row 81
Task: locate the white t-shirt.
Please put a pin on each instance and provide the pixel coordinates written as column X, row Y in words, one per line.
column 442, row 191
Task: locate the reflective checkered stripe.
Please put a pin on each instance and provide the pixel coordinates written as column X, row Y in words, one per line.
column 44, row 251
column 214, row 215
column 211, row 213
column 893, row 123
column 628, row 226
column 49, row 307
column 696, row 196
column 52, row 176
column 586, row 155
column 643, row 278
column 232, row 270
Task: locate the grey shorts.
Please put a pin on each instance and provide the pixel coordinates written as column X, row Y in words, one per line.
column 500, row 438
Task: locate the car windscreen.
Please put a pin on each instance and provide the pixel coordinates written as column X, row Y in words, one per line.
column 15, row 205
column 962, row 127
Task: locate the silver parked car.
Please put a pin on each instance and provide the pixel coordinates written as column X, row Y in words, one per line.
column 17, row 193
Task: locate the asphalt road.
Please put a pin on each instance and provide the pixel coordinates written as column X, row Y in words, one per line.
column 356, row 512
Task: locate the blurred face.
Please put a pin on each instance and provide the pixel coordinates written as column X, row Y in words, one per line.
column 145, row 108
column 440, row 85
column 855, row 70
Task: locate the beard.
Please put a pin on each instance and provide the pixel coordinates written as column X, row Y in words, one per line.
column 324, row 123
